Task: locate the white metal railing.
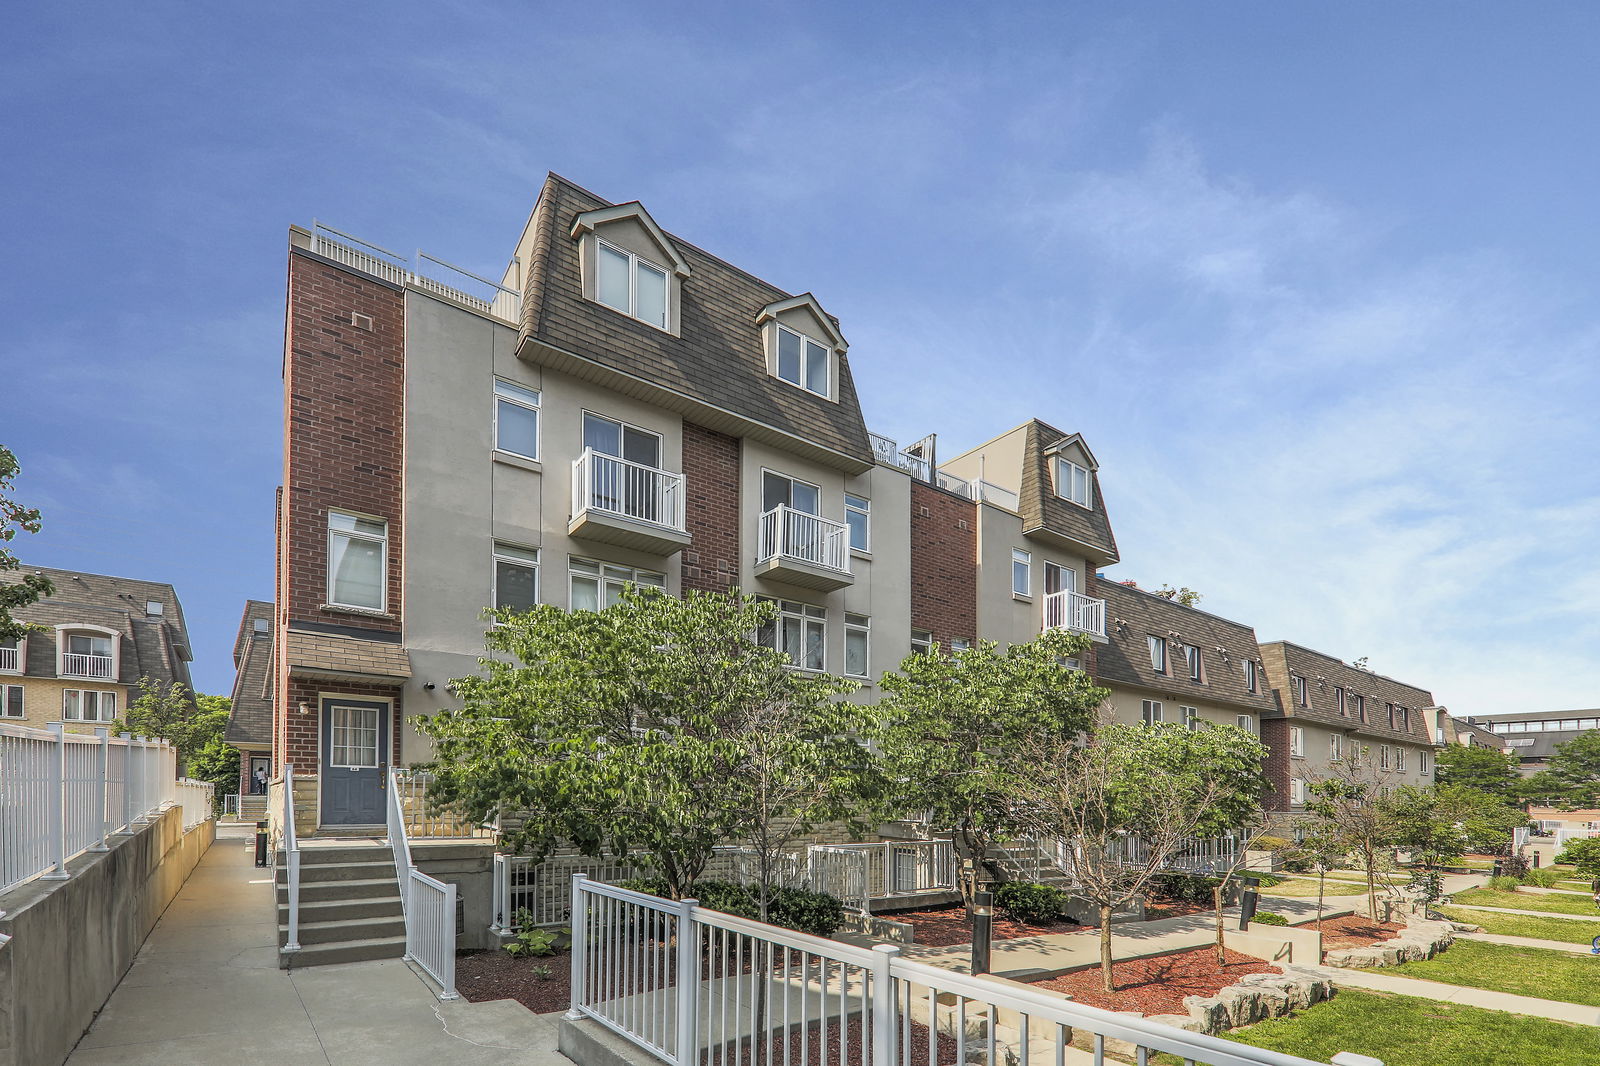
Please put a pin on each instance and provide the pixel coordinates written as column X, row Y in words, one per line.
column 694, row 987
column 858, row 873
column 9, row 658
column 198, row 800
column 428, row 821
column 290, row 838
column 62, row 794
column 78, row 664
column 429, row 905
column 1073, row 610
column 789, row 534
column 544, row 889
column 423, row 271
column 230, row 805
column 632, row 490
column 887, row 450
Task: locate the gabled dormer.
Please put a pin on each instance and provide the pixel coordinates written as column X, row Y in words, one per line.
column 803, row 344
column 630, row 265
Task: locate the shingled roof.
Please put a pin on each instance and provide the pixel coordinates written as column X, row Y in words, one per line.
column 714, row 370
column 1133, row 615
column 154, row 646
column 350, row 658
column 250, row 721
column 1087, row 529
column 1324, row 673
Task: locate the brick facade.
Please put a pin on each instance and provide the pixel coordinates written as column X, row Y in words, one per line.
column 711, row 511
column 944, row 564
column 1275, row 735
column 303, row 746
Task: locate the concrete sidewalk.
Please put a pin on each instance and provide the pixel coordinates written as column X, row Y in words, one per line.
column 1527, row 942
column 206, row 989
column 1471, row 997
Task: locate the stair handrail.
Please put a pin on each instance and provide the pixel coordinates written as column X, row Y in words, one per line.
column 401, row 844
column 291, row 852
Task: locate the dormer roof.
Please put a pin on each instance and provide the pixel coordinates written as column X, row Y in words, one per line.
column 634, row 210
column 828, row 324
column 1047, row 515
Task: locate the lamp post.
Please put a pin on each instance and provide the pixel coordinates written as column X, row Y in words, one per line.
column 982, row 930
column 1247, row 901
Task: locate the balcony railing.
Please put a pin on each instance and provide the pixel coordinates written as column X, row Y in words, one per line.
column 9, row 658
column 423, row 271
column 1072, row 610
column 76, row 664
column 808, row 538
column 631, row 490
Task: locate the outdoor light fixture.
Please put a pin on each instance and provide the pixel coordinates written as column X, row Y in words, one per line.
column 305, row 708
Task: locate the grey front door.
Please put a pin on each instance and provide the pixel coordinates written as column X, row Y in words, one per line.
column 355, row 759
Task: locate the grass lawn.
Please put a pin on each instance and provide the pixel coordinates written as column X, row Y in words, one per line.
column 1528, row 901
column 1536, row 972
column 1308, row 889
column 1562, row 929
column 1406, row 1031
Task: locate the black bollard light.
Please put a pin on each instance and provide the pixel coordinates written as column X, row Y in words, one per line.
column 1247, row 902
column 982, row 930
column 1499, row 868
column 261, row 843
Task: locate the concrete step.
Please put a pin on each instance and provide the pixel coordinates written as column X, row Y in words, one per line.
column 349, row 871
column 345, row 910
column 328, row 854
column 344, row 931
column 384, row 947
column 355, row 888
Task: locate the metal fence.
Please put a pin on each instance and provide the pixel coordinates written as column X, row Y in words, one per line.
column 426, row 820
column 694, row 987
column 429, row 905
column 858, row 873
column 198, row 800
column 424, row 271
column 62, row 794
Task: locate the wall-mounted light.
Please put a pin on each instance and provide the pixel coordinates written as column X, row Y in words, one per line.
column 428, row 686
column 305, row 708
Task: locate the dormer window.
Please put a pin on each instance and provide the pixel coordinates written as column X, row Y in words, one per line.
column 87, row 651
column 631, row 284
column 802, row 361
column 1072, row 482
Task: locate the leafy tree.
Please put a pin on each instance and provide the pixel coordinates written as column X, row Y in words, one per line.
column 655, row 726
column 1186, row 596
column 961, row 733
column 1576, row 764
column 1439, row 824
column 14, row 516
column 214, row 760
column 1584, row 854
column 1126, row 800
column 168, row 710
column 1349, row 814
column 1545, row 789
column 1478, row 767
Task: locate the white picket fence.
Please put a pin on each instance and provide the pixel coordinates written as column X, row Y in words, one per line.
column 694, row 987
column 62, row 794
column 859, row 873
column 429, row 905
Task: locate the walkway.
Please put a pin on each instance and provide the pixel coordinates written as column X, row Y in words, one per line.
column 1472, row 997
column 206, row 989
column 1531, row 914
column 1527, row 942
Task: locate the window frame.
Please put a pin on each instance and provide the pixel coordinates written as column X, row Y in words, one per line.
column 804, row 338
column 497, row 556
column 1336, row 748
column 600, row 577
column 1297, row 742
column 623, row 428
column 1023, row 559
column 1299, row 690
column 767, row 472
column 1155, row 643
column 1422, row 762
column 518, row 397
column 807, row 615
column 101, row 696
column 922, row 642
column 1338, row 701
column 1252, row 677
column 334, row 746
column 634, row 261
column 1194, row 662
column 1399, row 758
column 1151, row 712
column 1189, row 717
column 863, row 507
column 21, row 693
column 1246, row 722
column 1297, row 792
column 861, row 624
column 383, row 560
column 1067, row 467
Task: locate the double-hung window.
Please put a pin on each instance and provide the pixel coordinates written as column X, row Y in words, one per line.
column 857, row 515
column 630, row 284
column 516, row 419
column 1246, row 722
column 1297, row 792
column 857, row 639
column 11, row 701
column 1335, row 747
column 1404, row 717
column 1072, row 482
column 1297, row 742
column 1422, row 761
column 1191, row 659
column 358, row 551
column 1360, row 702
column 1383, row 756
column 1189, row 716
column 802, row 361
column 1399, row 758
column 1021, row 572
column 597, row 585
column 1252, row 676
column 1298, row 685
column 801, row 632
column 516, row 577
column 1338, row 700
column 1388, row 710
column 1158, row 653
column 88, row 705
column 1150, row 712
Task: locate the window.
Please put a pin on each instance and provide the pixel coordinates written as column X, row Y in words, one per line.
column 597, row 585
column 1388, row 710
column 1399, row 758
column 857, row 515
column 1516, row 727
column 921, row 642
column 1189, row 716
column 1297, row 742
column 11, row 701
column 516, row 419
column 262, row 625
column 1360, row 705
column 87, row 705
column 1252, row 676
column 1021, row 572
column 1422, row 761
column 1150, row 712
column 1158, row 654
column 357, row 560
column 516, row 577
column 353, row 732
column 1072, row 482
column 1405, row 719
column 153, row 608
column 1383, row 756
column 790, row 492
column 631, row 285
column 1336, row 747
column 1191, row 658
column 801, row 632
column 1297, row 792
column 959, row 644
column 1246, row 722
column 1297, row 685
column 1338, row 700
column 857, row 634
column 621, row 441
column 802, row 361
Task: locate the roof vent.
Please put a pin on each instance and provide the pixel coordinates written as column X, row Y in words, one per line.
column 361, row 321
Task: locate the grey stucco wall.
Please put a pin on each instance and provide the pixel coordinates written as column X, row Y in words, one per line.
column 73, row 940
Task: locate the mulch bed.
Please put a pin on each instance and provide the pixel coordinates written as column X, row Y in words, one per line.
column 1158, row 985
column 840, row 1046
column 484, row 975
column 1354, row 931
column 947, row 926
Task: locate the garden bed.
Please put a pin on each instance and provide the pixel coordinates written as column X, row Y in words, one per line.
column 947, row 926
column 1158, row 985
column 1355, row 931
column 485, row 975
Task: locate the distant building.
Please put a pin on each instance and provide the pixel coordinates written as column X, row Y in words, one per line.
column 250, row 721
column 1453, row 730
column 1534, row 737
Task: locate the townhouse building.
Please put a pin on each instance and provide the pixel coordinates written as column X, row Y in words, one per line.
column 1467, row 732
column 93, row 640
column 1534, row 736
column 1328, row 710
column 250, row 718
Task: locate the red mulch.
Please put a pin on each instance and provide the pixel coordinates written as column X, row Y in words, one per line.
column 483, row 975
column 810, row 1047
column 946, row 926
column 1161, row 907
column 1354, row 931
column 1158, row 985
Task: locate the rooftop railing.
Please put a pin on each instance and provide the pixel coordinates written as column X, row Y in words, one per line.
column 422, row 271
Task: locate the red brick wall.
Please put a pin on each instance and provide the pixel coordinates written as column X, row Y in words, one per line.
column 303, row 743
column 711, row 509
column 1275, row 735
column 944, row 564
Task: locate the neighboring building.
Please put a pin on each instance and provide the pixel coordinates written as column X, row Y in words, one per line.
column 1325, row 707
column 1534, row 737
column 1463, row 731
column 1165, row 662
column 97, row 637
column 250, row 716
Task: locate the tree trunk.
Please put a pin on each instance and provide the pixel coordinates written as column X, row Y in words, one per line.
column 1322, row 881
column 1372, row 887
column 1216, row 898
column 1105, row 949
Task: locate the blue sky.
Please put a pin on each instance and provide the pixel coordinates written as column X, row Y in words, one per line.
column 1317, row 282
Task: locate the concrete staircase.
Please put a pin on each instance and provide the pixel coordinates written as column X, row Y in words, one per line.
column 349, row 905
column 1020, row 859
column 252, row 808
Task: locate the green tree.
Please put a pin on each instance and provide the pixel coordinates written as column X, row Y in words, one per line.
column 1545, row 789
column 212, row 759
column 168, row 710
column 1485, row 769
column 960, row 732
column 1576, row 764
column 1583, row 854
column 1349, row 815
column 14, row 517
column 1186, row 596
column 1441, row 823
column 654, row 727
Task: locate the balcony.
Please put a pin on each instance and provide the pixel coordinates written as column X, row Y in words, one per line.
column 1076, row 612
column 94, row 667
column 10, row 660
column 803, row 549
column 616, row 501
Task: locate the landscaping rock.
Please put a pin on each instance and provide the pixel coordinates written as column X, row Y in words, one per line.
column 1256, row 998
column 1421, row 939
column 1177, row 1021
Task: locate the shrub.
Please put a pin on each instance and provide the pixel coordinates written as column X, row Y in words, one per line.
column 1504, row 884
column 1266, row 880
column 1296, row 862
column 529, row 940
column 1185, row 888
column 1030, row 902
column 1542, row 878
column 1583, row 855
column 1515, row 866
column 1269, row 918
column 1272, row 843
column 804, row 911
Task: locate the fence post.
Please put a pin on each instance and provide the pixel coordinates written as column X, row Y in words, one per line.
column 687, row 983
column 447, row 957
column 883, row 1004
column 580, row 944
column 141, row 805
column 102, row 782
column 127, row 782
column 58, row 807
column 497, row 893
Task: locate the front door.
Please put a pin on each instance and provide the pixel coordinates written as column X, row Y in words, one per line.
column 355, row 758
column 260, row 774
